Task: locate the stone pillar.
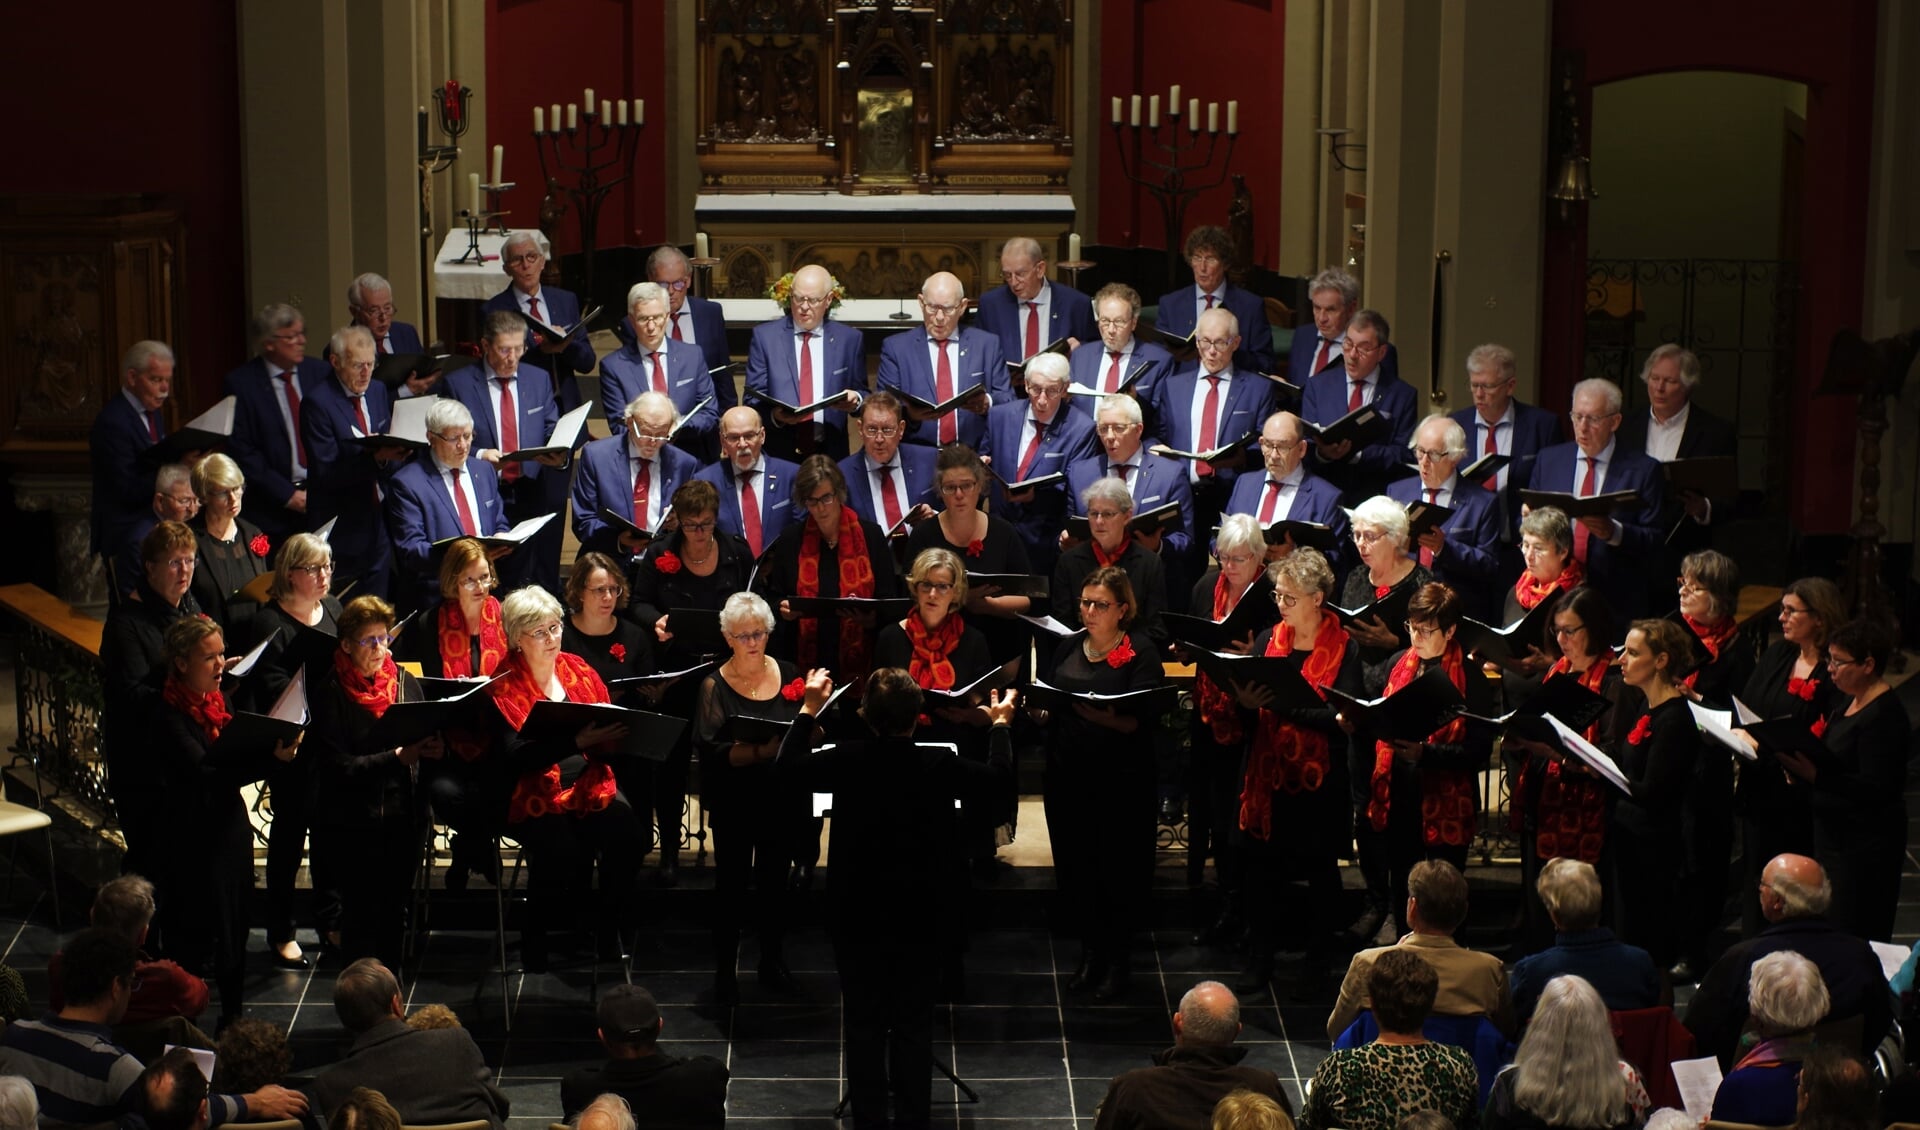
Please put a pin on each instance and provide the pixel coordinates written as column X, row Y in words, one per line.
column 69, row 498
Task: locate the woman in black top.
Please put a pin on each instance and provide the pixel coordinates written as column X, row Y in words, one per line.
column 695, row 567
column 1709, row 594
column 1859, row 796
column 368, row 807
column 834, row 553
column 1109, row 508
column 1099, row 781
column 755, row 822
column 1380, row 534
column 230, row 550
column 983, row 543
column 616, row 647
column 1658, row 750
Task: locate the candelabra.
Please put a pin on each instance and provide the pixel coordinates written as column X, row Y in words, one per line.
column 450, row 102
column 1169, row 181
column 598, row 154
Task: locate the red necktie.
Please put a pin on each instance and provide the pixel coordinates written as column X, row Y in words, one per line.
column 677, row 335
column 659, row 374
column 467, row 524
column 1491, row 482
column 509, row 429
column 1353, row 397
column 1209, row 301
column 1033, row 330
column 385, row 345
column 749, row 512
column 1121, row 471
column 942, row 392
column 1426, row 555
column 1209, row 423
column 153, row 429
column 884, row 472
column 1113, row 371
column 642, row 486
column 1270, row 503
column 1580, row 531
column 293, row 409
column 360, row 414
column 1324, row 355
column 533, row 308
column 1032, row 452
column 806, row 367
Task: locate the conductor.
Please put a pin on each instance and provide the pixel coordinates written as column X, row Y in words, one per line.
column 896, row 874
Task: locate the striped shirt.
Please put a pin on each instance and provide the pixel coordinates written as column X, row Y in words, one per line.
column 81, row 1077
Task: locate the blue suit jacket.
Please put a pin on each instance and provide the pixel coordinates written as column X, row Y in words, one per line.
column 261, row 446
column 626, row 373
column 420, row 512
column 1367, row 470
column 605, row 479
column 1317, row 500
column 779, row 511
column 532, row 396
column 1178, row 314
column 122, row 492
column 915, row 462
column 1250, row 400
column 1469, row 560
column 1306, row 346
column 906, row 367
column 1617, row 571
column 342, row 476
column 1159, row 481
column 404, row 338
column 1069, row 314
column 710, row 332
column 1088, row 366
column 1534, row 429
column 562, row 310
column 1069, row 439
column 772, row 371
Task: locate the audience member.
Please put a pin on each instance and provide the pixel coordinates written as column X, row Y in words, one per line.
column 19, row 1110
column 1623, row 975
column 251, row 1054
column 671, row 1092
column 1425, row 1120
column 1785, row 999
column 1667, row 1118
column 608, row 1112
column 365, row 1109
column 1194, row 1076
column 1567, row 1073
column 125, row 906
column 1470, row 983
column 173, row 1093
column 1249, row 1110
column 1836, row 1093
column 433, row 1016
column 1374, row 1086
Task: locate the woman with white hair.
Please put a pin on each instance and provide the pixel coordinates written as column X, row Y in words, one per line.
column 1786, row 998
column 566, row 807
column 1567, row 1073
column 1109, row 507
column 755, row 823
column 1380, row 535
column 230, row 551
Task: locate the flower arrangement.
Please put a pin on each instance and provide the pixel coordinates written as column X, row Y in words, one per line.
column 782, row 292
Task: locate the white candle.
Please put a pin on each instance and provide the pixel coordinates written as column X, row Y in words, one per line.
column 1213, row 117
column 1193, row 115
column 1233, row 117
column 539, row 119
column 573, row 115
column 1134, row 111
column 499, row 156
column 1116, row 109
column 555, row 115
column 620, row 110
column 639, row 111
column 1173, row 101
column 700, row 245
column 1153, row 112
column 473, row 193
column 589, row 101
column 1073, row 241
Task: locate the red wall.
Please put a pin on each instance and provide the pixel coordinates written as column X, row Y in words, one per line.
column 544, row 51
column 1830, row 47
column 143, row 98
column 1217, row 50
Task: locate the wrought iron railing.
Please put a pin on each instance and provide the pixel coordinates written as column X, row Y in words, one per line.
column 57, row 698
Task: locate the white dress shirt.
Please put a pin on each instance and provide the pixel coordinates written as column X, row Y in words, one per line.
column 466, row 488
column 1602, row 463
column 896, row 481
column 1289, row 492
column 1663, row 440
column 1196, row 415
column 298, row 469
column 1502, row 441
column 1200, row 300
column 1044, row 302
column 656, row 483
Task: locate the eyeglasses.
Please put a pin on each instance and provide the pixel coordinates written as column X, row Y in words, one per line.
column 873, row 431
column 225, row 492
column 819, row 501
column 1367, row 537
column 1835, row 662
column 1360, row 348
column 932, row 588
column 1023, row 273
column 1238, row 559
column 1688, row 584
column 741, row 439
column 605, row 591
column 1420, row 631
column 180, row 564
column 1286, row 599
column 755, row 636
column 1537, row 549
column 1115, row 429
column 649, row 319
column 1214, row 342
column 456, row 439
column 1788, row 611
column 542, row 635
column 954, row 490
column 371, row 642
column 524, row 259
column 677, row 284
column 1481, row 386
column 1105, row 515
column 1087, row 605
column 1199, row 257
column 1582, row 420
column 1559, row 631
column 942, row 311
column 655, row 436
column 383, row 311
column 697, row 527
column 1114, row 323
column 314, row 570
column 808, row 302
column 1430, row 455
column 1272, row 447
column 291, row 335
column 476, row 584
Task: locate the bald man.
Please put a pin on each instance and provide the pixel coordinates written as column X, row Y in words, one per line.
column 1202, row 1067
column 802, row 359
column 756, row 489
column 941, row 360
column 1028, row 312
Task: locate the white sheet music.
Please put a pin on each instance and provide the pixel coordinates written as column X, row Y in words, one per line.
column 1718, row 725
column 1698, row 1081
column 1891, row 957
column 291, row 706
column 217, row 419
column 246, row 664
column 1596, row 760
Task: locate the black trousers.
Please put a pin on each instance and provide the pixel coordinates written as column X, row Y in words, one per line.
column 291, row 790
column 378, row 859
column 1213, row 808
column 1387, row 856
column 561, row 853
column 1101, row 819
column 1291, row 891
column 753, row 850
column 204, row 881
column 887, row 992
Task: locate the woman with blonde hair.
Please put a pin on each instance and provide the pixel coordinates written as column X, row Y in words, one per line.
column 231, row 550
column 1567, row 1073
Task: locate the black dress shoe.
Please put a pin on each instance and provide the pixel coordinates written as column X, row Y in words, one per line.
column 1087, row 974
column 282, row 962
column 667, row 876
column 1682, row 973
column 1114, row 985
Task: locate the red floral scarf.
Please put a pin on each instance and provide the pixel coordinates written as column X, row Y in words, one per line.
column 1285, row 757
column 1100, row 556
column 1446, row 795
column 1531, row 592
column 1570, row 815
column 456, row 640
column 1217, row 708
column 932, row 662
column 373, row 695
column 209, row 711
column 540, row 794
column 1714, row 639
column 856, row 579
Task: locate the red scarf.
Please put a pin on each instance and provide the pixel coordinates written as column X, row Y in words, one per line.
column 856, row 579
column 374, row 695
column 1570, row 815
column 1714, row 639
column 1446, row 795
column 1100, row 558
column 1285, row 757
column 1531, row 592
column 209, row 711
column 540, row 794
column 456, row 640
column 1217, row 708
column 932, row 663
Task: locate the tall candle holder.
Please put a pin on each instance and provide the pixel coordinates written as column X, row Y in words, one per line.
column 494, row 212
column 450, row 104
column 1168, row 182
column 703, row 266
column 598, row 153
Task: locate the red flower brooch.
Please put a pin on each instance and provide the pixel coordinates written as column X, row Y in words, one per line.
column 795, row 690
column 619, row 652
column 258, row 545
column 976, row 547
column 1803, row 689
column 1642, row 730
column 1121, row 654
column 1819, row 727
column 667, row 562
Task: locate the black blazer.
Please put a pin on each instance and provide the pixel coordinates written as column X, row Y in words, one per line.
column 357, row 787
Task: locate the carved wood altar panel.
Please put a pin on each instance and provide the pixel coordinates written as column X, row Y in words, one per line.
column 885, row 96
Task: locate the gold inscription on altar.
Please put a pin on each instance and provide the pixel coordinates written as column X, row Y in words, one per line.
column 996, row 178
column 770, row 180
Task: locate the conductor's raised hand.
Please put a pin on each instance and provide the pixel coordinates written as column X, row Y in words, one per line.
column 1000, row 706
column 819, row 689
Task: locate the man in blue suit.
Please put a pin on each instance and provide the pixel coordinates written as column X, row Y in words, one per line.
column 651, row 362
column 267, row 441
column 127, row 425
column 513, row 409
column 1464, row 552
column 370, row 299
column 522, row 257
column 345, row 479
column 1151, row 480
column 906, row 469
column 940, row 361
column 447, row 494
column 633, row 473
column 1619, row 549
column 1120, row 358
column 1028, row 313
column 1032, row 438
column 1363, row 472
column 1288, row 492
column 1209, row 404
column 694, row 320
column 1209, row 250
column 1335, row 297
column 1499, row 424
column 744, row 471
column 802, row 359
